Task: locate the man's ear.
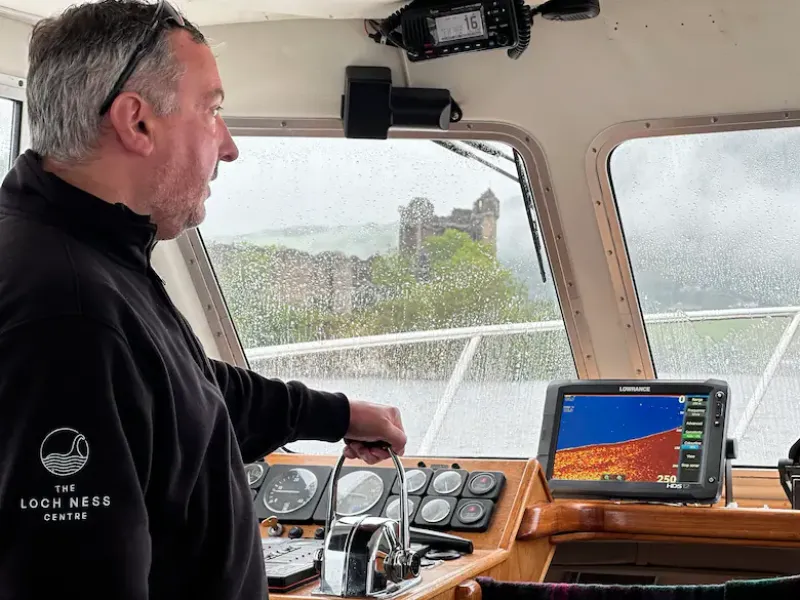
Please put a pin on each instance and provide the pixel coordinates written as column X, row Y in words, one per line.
column 132, row 120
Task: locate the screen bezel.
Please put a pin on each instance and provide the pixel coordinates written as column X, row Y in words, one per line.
column 713, row 460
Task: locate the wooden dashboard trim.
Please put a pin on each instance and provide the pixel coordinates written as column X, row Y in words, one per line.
column 612, row 520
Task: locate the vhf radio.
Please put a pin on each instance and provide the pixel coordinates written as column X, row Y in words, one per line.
column 437, row 31
column 428, row 29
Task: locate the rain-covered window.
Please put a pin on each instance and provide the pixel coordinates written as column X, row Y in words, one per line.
column 9, row 131
column 712, row 226
column 400, row 272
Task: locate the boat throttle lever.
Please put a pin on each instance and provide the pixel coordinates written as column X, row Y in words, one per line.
column 365, row 556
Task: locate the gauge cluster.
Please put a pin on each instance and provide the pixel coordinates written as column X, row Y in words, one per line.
column 439, row 498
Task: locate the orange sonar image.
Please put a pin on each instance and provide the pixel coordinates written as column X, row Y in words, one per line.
column 625, row 438
column 637, row 460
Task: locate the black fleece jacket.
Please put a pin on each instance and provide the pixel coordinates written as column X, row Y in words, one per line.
column 121, row 443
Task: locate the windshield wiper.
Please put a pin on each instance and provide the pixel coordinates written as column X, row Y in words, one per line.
column 521, row 179
column 467, row 154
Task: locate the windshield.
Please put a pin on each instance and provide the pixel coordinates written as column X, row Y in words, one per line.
column 398, row 272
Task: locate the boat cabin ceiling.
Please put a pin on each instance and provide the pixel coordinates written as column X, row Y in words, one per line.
column 659, row 146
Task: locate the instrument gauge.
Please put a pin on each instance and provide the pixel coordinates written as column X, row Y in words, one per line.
column 483, row 483
column 357, row 492
column 471, row 512
column 393, row 508
column 415, row 479
column 447, row 482
column 435, row 511
column 291, row 491
column 255, row 472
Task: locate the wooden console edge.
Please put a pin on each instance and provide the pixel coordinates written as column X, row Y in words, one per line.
column 616, row 520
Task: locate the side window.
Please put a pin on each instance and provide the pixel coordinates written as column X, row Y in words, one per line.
column 712, row 226
column 9, row 133
column 400, row 272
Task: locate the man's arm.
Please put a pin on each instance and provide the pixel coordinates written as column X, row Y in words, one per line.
column 75, row 455
column 268, row 413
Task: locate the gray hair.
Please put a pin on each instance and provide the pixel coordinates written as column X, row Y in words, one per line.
column 74, row 61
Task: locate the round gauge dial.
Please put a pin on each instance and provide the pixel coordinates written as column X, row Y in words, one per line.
column 482, row 484
column 291, row 491
column 435, row 511
column 357, row 492
column 254, row 472
column 393, row 508
column 471, row 512
column 447, row 482
column 415, row 479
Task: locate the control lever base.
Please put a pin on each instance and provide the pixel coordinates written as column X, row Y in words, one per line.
column 440, row 541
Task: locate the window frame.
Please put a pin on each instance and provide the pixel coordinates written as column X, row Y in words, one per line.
column 13, row 88
column 609, row 224
column 547, row 216
column 611, row 229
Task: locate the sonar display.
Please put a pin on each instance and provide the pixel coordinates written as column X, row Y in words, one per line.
column 630, row 438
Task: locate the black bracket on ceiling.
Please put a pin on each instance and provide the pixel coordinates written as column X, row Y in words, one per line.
column 371, row 105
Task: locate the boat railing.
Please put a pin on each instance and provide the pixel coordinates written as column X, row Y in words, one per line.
column 473, row 336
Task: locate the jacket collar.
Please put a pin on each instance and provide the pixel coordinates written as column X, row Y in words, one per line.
column 114, row 229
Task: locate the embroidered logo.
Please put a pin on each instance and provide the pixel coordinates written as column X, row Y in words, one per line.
column 64, row 452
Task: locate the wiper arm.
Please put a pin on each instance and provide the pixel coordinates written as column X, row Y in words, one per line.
column 486, row 148
column 521, row 179
column 527, row 196
column 467, row 154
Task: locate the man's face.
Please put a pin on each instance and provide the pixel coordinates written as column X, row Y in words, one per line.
column 190, row 142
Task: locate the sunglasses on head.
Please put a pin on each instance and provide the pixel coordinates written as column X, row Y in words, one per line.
column 164, row 14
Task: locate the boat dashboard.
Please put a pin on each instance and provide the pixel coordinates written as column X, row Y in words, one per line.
column 504, row 507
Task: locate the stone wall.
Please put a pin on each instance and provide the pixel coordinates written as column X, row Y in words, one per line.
column 419, row 221
column 336, row 283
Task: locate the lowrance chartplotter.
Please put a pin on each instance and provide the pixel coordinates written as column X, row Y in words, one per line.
column 650, row 440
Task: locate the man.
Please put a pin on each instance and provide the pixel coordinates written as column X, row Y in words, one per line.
column 121, row 443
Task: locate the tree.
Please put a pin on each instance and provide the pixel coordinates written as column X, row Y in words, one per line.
column 456, row 282
column 464, row 286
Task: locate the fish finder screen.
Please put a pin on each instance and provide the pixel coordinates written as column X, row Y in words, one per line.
column 631, row 438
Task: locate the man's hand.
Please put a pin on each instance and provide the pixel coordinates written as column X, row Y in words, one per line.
column 374, row 423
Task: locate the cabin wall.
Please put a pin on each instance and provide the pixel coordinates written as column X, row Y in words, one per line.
column 638, row 60
column 14, row 38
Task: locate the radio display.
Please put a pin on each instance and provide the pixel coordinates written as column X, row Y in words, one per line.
column 631, row 438
column 461, row 26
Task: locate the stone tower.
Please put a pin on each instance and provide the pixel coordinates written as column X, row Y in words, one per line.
column 419, row 221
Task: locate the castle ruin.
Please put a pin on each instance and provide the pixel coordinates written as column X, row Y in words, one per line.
column 336, row 283
column 419, row 221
